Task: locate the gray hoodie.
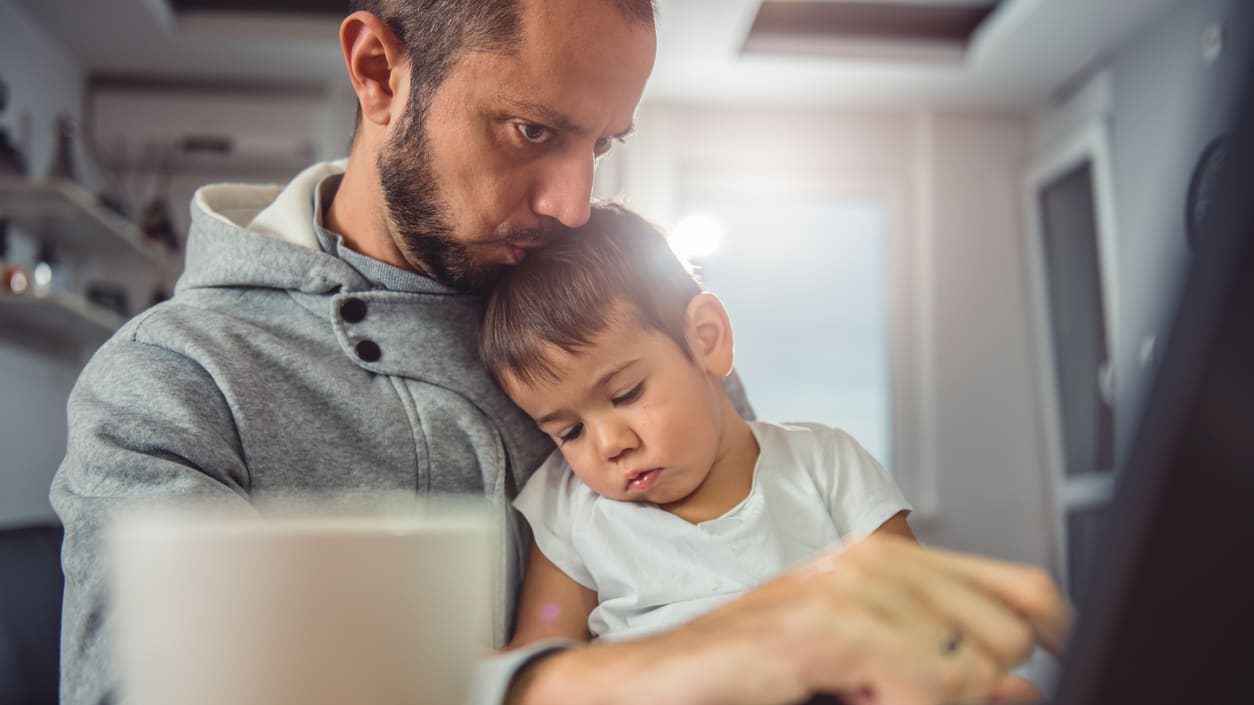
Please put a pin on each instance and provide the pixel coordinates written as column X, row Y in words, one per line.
column 285, row 365
column 260, row 380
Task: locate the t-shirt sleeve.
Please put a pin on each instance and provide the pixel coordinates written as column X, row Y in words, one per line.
column 552, row 500
column 860, row 493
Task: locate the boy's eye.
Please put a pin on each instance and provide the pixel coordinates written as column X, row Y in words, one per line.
column 630, row 396
column 535, row 134
column 571, row 434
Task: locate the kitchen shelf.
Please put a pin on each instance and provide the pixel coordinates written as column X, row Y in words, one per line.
column 56, row 316
column 65, row 215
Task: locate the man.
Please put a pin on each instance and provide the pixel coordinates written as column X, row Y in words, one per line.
column 322, row 339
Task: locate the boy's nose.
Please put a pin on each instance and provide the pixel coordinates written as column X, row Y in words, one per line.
column 614, row 440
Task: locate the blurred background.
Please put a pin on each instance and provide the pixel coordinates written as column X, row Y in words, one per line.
column 953, row 227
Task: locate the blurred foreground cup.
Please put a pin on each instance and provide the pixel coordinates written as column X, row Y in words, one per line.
column 302, row 609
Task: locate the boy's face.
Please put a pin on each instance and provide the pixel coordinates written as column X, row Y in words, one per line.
column 636, row 418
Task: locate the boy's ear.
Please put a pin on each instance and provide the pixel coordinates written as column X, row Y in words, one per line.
column 710, row 334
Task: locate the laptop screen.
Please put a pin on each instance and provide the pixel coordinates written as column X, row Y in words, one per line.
column 1169, row 614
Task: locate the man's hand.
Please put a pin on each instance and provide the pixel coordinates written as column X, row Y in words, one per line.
column 882, row 618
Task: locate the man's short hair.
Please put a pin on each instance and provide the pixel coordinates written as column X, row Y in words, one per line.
column 436, row 33
column 564, row 294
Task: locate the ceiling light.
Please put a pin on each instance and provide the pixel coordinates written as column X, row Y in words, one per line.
column 695, row 237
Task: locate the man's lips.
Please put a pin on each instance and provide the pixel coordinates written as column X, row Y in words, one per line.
column 518, row 249
column 642, row 480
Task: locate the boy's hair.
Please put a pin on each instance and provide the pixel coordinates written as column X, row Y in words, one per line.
column 564, row 294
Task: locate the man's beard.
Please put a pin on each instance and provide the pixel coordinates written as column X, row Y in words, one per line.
column 419, row 216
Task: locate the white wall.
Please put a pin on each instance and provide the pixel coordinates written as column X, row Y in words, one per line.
column 965, row 414
column 988, row 458
column 43, row 82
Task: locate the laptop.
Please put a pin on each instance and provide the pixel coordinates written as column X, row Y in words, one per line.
column 1169, row 615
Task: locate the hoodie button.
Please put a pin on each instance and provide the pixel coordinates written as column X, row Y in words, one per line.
column 353, row 310
column 369, row 351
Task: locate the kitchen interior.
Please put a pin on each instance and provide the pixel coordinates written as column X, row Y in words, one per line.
column 985, row 204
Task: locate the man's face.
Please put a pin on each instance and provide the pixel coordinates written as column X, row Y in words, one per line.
column 509, row 143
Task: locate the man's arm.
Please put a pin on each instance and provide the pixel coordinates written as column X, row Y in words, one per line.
column 146, row 425
column 884, row 616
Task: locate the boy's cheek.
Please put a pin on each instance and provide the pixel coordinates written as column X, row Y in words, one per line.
column 582, row 470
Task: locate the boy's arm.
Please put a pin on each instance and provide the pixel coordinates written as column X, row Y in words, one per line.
column 897, row 526
column 552, row 605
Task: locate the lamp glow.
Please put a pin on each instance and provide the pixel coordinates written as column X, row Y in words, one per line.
column 696, row 236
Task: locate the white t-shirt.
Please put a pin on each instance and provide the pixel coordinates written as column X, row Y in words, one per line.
column 813, row 487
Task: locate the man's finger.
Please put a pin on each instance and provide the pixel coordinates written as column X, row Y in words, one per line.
column 977, row 616
column 1028, row 590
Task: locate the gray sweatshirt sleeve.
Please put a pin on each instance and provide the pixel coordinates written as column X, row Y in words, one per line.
column 494, row 675
column 736, row 392
column 145, row 425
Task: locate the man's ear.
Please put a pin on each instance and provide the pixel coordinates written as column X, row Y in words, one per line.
column 376, row 62
column 709, row 334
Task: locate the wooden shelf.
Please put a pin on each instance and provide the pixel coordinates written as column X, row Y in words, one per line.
column 56, row 316
column 70, row 218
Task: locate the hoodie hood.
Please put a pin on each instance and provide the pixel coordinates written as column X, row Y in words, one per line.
column 246, row 235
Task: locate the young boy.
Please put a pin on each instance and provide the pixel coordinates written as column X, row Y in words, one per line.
column 663, row 502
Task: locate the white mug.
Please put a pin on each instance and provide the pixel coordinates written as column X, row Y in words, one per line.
column 386, row 609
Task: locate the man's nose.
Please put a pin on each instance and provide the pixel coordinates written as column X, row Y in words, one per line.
column 565, row 195
column 615, row 439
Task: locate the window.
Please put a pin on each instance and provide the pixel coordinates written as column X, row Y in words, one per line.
column 806, row 284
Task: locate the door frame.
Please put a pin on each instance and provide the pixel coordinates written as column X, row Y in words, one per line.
column 1088, row 143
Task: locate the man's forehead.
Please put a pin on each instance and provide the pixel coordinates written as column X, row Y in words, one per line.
column 584, row 18
column 584, row 45
column 581, row 66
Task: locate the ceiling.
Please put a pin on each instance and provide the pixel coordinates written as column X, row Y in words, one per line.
column 1016, row 58
column 846, row 28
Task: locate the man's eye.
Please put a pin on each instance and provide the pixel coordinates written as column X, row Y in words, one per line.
column 602, row 146
column 534, row 134
column 570, row 435
column 631, row 395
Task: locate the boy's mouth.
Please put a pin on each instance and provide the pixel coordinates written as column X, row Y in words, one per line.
column 642, row 480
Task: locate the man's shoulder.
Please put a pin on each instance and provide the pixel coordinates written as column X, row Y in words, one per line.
column 195, row 329
column 147, row 329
